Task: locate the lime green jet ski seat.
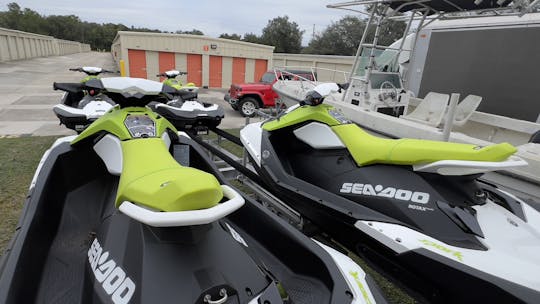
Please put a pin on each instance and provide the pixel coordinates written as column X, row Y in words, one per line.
column 152, row 178
column 367, row 149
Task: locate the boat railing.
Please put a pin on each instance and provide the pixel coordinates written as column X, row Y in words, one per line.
column 283, row 75
column 286, row 73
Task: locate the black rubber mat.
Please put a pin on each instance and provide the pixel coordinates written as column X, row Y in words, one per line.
column 63, row 272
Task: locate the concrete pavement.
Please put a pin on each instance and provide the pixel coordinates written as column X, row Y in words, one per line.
column 27, row 97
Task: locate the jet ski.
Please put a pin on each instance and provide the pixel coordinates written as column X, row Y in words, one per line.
column 80, row 107
column 413, row 208
column 184, row 110
column 133, row 211
column 177, row 84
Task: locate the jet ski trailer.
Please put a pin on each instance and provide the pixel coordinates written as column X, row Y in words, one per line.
column 132, row 211
column 413, row 208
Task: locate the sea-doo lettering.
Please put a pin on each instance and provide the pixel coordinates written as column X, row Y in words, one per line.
column 113, row 279
column 391, row 192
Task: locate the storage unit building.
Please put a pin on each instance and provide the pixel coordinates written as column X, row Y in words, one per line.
column 209, row 62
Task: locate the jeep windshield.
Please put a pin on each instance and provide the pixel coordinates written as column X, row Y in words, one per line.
column 268, row 77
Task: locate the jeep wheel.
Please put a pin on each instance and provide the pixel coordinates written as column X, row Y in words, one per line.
column 248, row 106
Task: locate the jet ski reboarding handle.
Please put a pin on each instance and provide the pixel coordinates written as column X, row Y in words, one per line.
column 185, row 218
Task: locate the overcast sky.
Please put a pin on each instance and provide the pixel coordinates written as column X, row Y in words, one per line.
column 211, row 17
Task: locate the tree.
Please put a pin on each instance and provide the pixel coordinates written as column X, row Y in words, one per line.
column 285, row 35
column 339, row 38
column 391, row 31
column 343, row 37
column 99, row 36
column 231, row 36
column 192, row 32
column 23, row 20
column 11, row 18
column 250, row 37
column 65, row 27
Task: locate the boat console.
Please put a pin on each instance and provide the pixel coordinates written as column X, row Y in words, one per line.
column 383, row 93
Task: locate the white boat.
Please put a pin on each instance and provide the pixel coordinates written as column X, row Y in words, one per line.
column 378, row 100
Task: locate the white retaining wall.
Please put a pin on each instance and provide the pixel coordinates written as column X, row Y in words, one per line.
column 17, row 45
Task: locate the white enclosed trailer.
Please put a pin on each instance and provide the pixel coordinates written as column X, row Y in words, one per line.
column 497, row 58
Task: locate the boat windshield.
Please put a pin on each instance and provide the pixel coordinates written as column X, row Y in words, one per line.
column 384, row 61
column 377, row 79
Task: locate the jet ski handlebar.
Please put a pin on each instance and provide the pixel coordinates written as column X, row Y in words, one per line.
column 91, row 70
column 69, row 87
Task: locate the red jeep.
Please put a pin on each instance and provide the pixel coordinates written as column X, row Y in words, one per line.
column 248, row 97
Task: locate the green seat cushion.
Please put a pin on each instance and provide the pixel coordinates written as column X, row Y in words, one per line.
column 151, row 177
column 367, row 149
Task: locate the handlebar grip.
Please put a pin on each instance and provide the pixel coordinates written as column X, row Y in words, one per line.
column 75, row 69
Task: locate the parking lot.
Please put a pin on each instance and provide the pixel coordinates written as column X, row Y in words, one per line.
column 27, row 97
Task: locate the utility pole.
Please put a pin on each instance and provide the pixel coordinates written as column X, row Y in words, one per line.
column 313, row 33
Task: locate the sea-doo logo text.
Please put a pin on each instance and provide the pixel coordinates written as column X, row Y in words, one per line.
column 112, row 278
column 390, row 192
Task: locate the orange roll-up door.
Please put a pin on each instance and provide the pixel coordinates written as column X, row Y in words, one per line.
column 166, row 62
column 260, row 68
column 239, row 70
column 194, row 69
column 137, row 63
column 215, row 72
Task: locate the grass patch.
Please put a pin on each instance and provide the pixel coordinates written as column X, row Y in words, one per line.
column 392, row 293
column 19, row 158
column 224, row 143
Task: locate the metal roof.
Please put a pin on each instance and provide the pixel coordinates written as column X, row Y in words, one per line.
column 447, row 6
column 442, row 7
